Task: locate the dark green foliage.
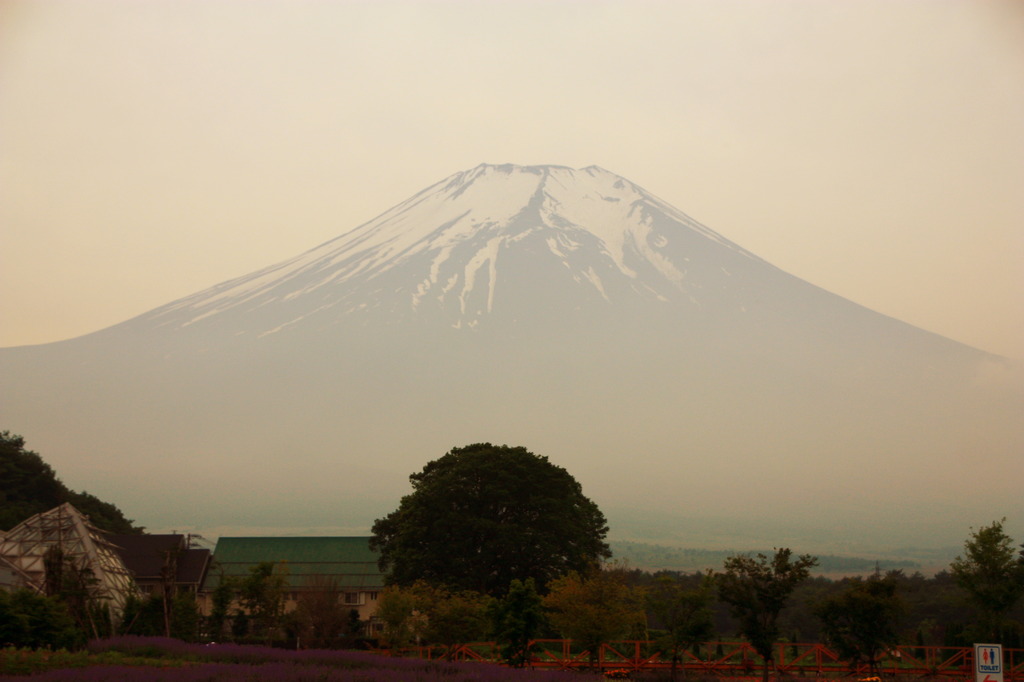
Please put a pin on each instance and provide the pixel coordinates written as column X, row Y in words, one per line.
column 31, row 620
column 145, row 617
column 185, row 617
column 397, row 609
column 595, row 608
column 757, row 589
column 240, row 625
column 862, row 621
column 654, row 557
column 682, row 613
column 992, row 575
column 936, row 607
column 320, row 620
column 222, row 597
column 433, row 614
column 354, row 626
column 798, row 617
column 261, row 593
column 452, row 617
column 484, row 515
column 516, row 619
column 103, row 515
column 30, row 486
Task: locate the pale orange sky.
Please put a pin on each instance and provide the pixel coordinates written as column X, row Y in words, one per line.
column 149, row 149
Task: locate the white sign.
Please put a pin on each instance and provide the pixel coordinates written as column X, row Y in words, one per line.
column 988, row 663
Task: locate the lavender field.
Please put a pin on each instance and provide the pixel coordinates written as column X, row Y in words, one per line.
column 131, row 659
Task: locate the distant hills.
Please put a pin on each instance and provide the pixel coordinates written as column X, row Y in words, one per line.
column 652, row 557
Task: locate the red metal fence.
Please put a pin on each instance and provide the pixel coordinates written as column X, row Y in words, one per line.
column 739, row 660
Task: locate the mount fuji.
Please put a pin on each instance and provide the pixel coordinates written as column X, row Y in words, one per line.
column 697, row 392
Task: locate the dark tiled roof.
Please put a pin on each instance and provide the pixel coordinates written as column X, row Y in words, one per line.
column 346, row 560
column 144, row 555
column 192, row 566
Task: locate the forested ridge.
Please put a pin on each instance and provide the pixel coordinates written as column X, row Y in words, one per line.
column 654, row 557
column 31, row 486
column 765, row 597
column 934, row 610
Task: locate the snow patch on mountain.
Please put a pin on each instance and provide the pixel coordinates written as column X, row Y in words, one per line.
column 453, row 247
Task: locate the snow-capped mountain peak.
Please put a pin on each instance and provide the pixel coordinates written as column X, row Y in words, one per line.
column 461, row 248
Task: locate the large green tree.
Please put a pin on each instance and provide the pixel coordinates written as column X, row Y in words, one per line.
column 757, row 589
column 485, row 515
column 992, row 575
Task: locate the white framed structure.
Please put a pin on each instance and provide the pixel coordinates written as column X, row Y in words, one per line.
column 24, row 548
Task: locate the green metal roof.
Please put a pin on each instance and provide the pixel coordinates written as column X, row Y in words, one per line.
column 348, row 560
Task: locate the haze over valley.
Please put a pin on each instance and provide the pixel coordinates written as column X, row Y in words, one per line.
column 697, row 392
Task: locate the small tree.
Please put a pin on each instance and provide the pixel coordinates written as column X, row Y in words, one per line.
column 593, row 609
column 403, row 624
column 185, row 617
column 861, row 622
column 261, row 593
column 31, row 620
column 354, row 626
column 452, row 618
column 992, row 575
column 757, row 590
column 321, row 618
column 682, row 614
column 432, row 613
column 221, row 599
column 516, row 619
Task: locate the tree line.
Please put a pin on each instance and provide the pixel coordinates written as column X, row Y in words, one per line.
column 30, row 486
column 496, row 543
column 507, row 539
column 766, row 600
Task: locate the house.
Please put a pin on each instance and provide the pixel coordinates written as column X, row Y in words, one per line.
column 163, row 562
column 344, row 564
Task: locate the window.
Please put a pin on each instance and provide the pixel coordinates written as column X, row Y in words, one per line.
column 352, row 598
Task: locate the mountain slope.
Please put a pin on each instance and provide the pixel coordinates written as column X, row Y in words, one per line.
column 565, row 310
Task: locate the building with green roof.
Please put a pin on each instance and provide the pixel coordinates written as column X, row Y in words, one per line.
column 308, row 564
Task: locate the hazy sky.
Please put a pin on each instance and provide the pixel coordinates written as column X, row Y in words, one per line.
column 149, row 149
